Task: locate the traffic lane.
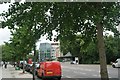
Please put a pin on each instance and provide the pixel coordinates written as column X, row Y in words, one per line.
column 79, row 73
column 87, row 71
column 113, row 72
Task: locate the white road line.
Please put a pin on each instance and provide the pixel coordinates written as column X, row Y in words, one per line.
column 68, row 76
column 79, row 72
column 88, row 70
column 83, row 73
column 66, row 70
column 95, row 75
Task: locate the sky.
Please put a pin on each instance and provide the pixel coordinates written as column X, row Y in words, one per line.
column 4, row 33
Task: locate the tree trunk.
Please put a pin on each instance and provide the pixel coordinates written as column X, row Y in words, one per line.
column 24, row 63
column 102, row 55
column 34, row 61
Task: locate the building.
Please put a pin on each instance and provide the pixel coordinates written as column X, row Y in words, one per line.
column 55, row 50
column 45, row 51
column 49, row 51
column 58, row 53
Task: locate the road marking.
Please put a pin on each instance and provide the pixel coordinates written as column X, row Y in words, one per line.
column 76, row 72
column 79, row 72
column 74, row 68
column 95, row 75
column 68, row 76
column 66, row 70
column 88, row 70
column 83, row 73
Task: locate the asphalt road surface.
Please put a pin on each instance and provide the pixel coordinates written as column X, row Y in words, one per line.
column 86, row 71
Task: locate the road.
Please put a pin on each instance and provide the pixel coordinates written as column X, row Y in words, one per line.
column 86, row 71
column 69, row 71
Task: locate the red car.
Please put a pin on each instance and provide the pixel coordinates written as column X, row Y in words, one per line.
column 49, row 69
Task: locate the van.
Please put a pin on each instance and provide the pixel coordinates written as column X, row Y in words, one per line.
column 49, row 69
column 116, row 64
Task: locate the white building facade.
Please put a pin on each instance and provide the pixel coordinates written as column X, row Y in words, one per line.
column 55, row 50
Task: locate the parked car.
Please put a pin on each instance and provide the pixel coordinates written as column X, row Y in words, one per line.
column 49, row 69
column 21, row 64
column 27, row 67
column 116, row 64
column 72, row 62
column 37, row 65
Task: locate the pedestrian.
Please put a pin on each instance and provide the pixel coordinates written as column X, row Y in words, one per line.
column 5, row 64
column 15, row 64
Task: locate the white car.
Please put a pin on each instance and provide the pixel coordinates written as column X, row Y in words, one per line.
column 116, row 64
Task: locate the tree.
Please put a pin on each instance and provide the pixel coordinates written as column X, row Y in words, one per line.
column 6, row 56
column 89, row 19
column 111, row 49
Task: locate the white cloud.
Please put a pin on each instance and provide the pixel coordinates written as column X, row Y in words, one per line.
column 4, row 7
column 4, row 35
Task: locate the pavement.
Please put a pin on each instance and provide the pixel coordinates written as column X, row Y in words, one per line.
column 10, row 72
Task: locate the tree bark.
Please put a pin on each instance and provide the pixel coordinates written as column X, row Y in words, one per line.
column 34, row 61
column 102, row 55
column 24, row 63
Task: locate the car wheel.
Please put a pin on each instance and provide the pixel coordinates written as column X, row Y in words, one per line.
column 38, row 76
column 59, row 78
column 43, row 78
column 113, row 66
